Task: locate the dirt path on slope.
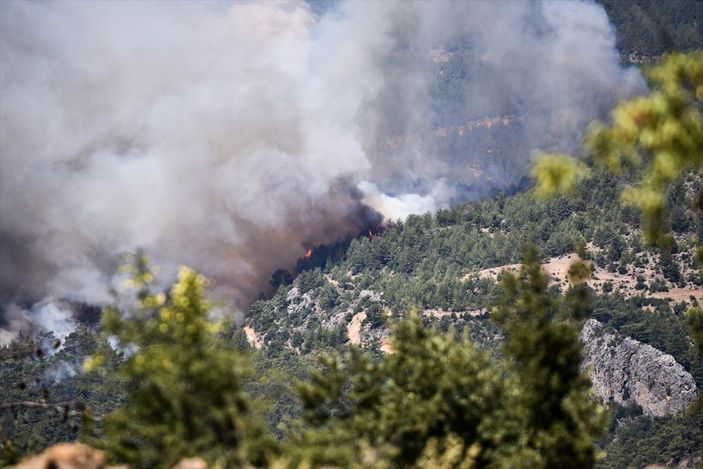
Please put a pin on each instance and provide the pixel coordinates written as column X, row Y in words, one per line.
column 253, row 338
column 354, row 328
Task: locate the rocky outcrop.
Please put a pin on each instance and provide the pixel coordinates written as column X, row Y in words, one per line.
column 68, row 456
column 626, row 371
column 80, row 456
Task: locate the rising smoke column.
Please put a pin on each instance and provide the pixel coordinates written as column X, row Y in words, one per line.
column 227, row 136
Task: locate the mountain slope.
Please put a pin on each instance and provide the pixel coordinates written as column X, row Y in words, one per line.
column 448, row 265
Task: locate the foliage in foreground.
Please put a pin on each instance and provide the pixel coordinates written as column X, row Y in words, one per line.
column 435, row 400
column 187, row 389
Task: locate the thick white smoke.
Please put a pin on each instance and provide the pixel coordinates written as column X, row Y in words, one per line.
column 48, row 315
column 227, row 136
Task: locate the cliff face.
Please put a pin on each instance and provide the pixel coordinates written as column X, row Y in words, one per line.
column 626, row 371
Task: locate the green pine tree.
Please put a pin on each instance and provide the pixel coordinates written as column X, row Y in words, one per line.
column 187, row 389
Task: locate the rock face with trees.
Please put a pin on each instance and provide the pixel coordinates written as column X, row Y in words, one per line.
column 628, row 372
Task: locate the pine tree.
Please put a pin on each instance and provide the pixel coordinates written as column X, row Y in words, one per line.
column 559, row 420
column 187, row 389
column 434, row 388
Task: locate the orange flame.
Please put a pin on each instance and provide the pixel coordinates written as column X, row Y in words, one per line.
column 378, row 233
column 308, row 253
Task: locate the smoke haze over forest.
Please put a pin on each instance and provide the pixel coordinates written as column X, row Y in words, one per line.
column 230, row 136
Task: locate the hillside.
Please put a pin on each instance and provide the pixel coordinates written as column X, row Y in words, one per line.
column 448, row 265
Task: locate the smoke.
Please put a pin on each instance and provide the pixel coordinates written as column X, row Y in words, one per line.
column 45, row 316
column 227, row 136
column 400, row 206
column 61, row 371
